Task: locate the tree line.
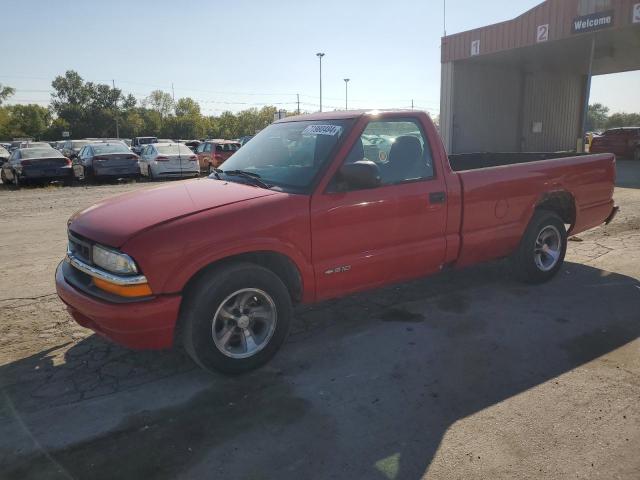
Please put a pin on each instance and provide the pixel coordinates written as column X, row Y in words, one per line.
column 599, row 119
column 88, row 110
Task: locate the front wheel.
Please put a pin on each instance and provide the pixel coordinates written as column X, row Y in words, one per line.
column 542, row 249
column 236, row 318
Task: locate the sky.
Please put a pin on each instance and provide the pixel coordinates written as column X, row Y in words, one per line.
column 232, row 55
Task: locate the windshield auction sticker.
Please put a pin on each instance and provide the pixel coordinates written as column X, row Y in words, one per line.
column 322, row 130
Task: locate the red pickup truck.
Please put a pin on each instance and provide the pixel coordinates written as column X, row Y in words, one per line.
column 303, row 213
column 623, row 142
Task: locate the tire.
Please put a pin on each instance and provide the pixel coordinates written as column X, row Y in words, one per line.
column 3, row 177
column 532, row 264
column 68, row 182
column 151, row 176
column 214, row 330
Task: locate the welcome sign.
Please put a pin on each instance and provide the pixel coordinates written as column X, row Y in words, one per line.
column 595, row 21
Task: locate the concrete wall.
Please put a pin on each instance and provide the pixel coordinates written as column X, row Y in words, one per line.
column 485, row 103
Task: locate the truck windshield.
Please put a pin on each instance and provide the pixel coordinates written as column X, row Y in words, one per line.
column 289, row 155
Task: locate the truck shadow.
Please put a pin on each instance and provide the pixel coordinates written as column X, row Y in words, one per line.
column 367, row 386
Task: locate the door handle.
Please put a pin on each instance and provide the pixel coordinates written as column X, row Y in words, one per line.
column 437, row 197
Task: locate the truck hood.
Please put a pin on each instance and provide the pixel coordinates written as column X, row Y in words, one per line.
column 114, row 221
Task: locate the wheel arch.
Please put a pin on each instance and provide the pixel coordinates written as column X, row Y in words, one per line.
column 280, row 264
column 561, row 203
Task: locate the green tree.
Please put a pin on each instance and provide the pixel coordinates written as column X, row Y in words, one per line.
column 187, row 107
column 5, row 92
column 28, row 120
column 160, row 102
column 597, row 117
column 623, row 120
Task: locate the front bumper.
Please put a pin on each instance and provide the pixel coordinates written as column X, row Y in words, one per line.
column 146, row 324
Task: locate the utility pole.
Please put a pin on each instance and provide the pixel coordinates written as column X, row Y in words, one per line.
column 346, row 93
column 320, row 55
column 113, row 82
column 298, row 97
column 173, row 95
column 412, row 104
column 444, row 16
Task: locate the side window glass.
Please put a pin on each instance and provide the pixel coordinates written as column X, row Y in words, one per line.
column 399, row 149
column 207, row 147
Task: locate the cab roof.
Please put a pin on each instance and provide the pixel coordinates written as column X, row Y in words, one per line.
column 343, row 115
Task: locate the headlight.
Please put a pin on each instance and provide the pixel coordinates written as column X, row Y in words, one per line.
column 113, row 261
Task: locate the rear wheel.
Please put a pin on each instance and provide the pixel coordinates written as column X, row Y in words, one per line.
column 542, row 249
column 236, row 318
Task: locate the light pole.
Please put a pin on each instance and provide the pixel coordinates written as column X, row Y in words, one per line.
column 320, row 55
column 346, row 93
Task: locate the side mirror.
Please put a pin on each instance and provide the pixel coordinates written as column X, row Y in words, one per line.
column 361, row 174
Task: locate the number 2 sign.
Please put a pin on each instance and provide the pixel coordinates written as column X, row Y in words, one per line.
column 543, row 33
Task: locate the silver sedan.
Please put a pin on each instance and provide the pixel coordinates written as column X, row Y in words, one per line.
column 168, row 160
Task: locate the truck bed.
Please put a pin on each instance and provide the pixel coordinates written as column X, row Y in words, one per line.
column 500, row 191
column 473, row 161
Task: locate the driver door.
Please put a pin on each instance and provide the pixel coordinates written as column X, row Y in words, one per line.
column 363, row 238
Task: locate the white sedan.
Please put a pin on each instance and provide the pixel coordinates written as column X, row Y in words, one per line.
column 168, row 160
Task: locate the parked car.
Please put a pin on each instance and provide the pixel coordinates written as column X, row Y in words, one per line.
column 27, row 144
column 192, row 144
column 166, row 160
column 218, row 262
column 4, row 155
column 138, row 143
column 213, row 153
column 245, row 139
column 36, row 164
column 106, row 160
column 623, row 142
column 71, row 148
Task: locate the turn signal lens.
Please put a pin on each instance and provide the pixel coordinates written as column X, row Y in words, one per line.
column 141, row 290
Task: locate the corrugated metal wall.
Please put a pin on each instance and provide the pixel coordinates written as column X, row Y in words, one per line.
column 486, row 108
column 556, row 101
column 495, row 109
column 522, row 31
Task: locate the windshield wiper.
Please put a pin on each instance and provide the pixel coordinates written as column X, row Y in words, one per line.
column 254, row 177
column 216, row 173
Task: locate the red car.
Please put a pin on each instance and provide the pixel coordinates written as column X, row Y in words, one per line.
column 300, row 215
column 213, row 153
column 623, row 142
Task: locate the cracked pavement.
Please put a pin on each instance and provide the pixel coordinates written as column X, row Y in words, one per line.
column 439, row 377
